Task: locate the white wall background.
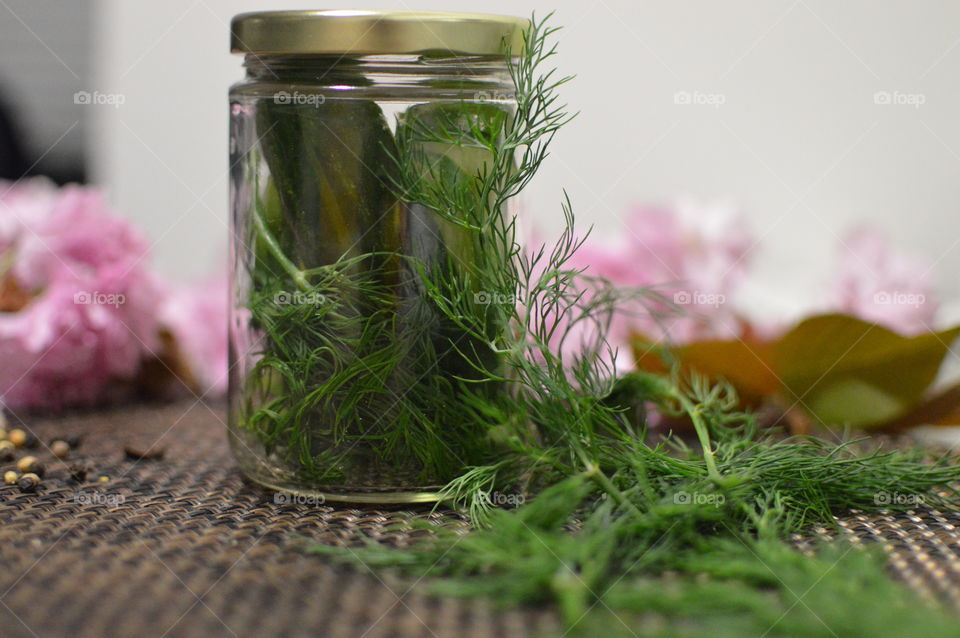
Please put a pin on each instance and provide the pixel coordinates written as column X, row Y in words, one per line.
column 798, row 141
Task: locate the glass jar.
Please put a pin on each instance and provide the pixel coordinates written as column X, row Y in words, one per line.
column 346, row 374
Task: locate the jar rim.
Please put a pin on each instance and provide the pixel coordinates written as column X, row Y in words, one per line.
column 357, row 32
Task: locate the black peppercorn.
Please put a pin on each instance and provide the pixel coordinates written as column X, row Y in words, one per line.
column 142, row 454
column 78, row 472
column 28, row 482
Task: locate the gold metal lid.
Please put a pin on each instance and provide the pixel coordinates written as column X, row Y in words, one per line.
column 375, row 32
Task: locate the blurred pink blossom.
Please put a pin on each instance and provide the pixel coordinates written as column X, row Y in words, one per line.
column 23, row 205
column 90, row 317
column 197, row 317
column 876, row 283
column 694, row 255
column 78, row 236
column 80, row 310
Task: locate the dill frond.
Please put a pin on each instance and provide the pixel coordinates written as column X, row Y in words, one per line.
column 623, row 531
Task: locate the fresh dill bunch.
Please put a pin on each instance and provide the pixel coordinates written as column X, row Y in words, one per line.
column 728, row 589
column 661, row 549
column 620, row 528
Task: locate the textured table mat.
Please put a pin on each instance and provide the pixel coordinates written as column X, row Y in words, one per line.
column 183, row 546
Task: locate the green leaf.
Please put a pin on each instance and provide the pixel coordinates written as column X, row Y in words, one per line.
column 850, row 372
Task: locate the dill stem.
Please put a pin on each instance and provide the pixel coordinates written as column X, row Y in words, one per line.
column 595, row 474
column 703, row 435
column 295, row 273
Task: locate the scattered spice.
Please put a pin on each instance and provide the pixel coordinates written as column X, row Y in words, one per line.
column 30, row 469
column 28, row 482
column 138, row 453
column 60, row 449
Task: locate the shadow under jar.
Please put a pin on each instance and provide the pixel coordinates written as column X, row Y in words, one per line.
column 346, row 374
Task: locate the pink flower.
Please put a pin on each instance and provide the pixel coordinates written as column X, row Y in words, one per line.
column 878, row 284
column 90, row 318
column 78, row 236
column 22, row 205
column 197, row 318
column 694, row 255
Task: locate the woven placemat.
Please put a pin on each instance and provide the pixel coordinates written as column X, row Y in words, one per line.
column 183, row 546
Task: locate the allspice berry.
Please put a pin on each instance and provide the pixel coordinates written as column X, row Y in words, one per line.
column 60, row 449
column 73, row 440
column 17, row 436
column 21, row 438
column 28, row 482
column 10, row 477
column 7, row 451
column 32, row 465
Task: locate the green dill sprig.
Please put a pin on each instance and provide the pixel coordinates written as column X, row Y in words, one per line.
column 623, row 531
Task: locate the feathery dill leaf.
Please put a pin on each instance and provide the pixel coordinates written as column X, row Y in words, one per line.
column 622, row 531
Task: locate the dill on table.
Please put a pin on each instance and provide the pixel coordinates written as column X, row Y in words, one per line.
column 623, row 532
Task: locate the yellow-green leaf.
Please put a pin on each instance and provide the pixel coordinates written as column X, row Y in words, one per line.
column 851, row 372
